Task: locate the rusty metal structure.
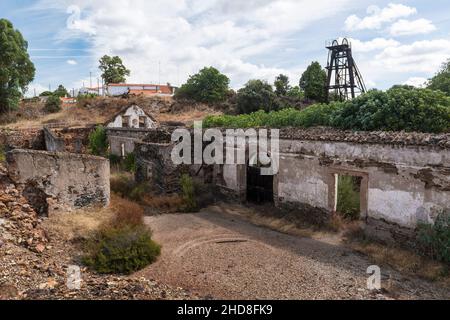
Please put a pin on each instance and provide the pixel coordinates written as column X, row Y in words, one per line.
column 344, row 81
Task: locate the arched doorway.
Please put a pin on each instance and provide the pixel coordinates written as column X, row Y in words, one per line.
column 259, row 187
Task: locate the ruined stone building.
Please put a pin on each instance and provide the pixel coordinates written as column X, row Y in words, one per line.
column 404, row 177
column 132, row 117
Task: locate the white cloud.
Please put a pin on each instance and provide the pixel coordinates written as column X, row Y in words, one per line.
column 416, row 82
column 372, row 45
column 186, row 35
column 35, row 88
column 407, row 28
column 377, row 17
column 420, row 56
column 72, row 62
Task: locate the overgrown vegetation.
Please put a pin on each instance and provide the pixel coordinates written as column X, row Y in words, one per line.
column 98, row 142
column 123, row 245
column 348, row 198
column 53, row 104
column 188, row 194
column 434, row 240
column 2, row 153
column 399, row 108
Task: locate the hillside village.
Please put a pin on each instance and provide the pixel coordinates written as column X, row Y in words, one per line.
column 88, row 183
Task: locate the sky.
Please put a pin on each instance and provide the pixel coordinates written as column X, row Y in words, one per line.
column 394, row 42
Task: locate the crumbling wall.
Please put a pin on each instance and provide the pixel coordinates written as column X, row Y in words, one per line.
column 22, row 139
column 122, row 140
column 74, row 140
column 71, row 180
column 405, row 177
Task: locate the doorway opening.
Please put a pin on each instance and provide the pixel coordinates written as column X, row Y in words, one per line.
column 348, row 196
column 259, row 187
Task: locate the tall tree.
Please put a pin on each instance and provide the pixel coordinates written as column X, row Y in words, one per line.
column 16, row 68
column 441, row 81
column 113, row 70
column 208, row 85
column 281, row 85
column 313, row 82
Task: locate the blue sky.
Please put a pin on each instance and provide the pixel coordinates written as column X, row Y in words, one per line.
column 166, row 41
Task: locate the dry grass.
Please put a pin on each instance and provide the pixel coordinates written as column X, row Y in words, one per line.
column 163, row 203
column 187, row 117
column 81, row 223
column 405, row 261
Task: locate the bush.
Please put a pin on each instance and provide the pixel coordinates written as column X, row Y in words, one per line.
column 398, row 109
column 434, row 240
column 53, row 104
column 2, row 154
column 188, row 194
column 129, row 163
column 126, row 187
column 98, row 141
column 121, row 249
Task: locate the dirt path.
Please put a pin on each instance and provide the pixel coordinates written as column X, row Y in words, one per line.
column 216, row 254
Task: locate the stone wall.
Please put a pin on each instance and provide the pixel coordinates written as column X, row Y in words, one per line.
column 23, row 139
column 70, row 180
column 122, row 140
column 405, row 177
column 74, row 140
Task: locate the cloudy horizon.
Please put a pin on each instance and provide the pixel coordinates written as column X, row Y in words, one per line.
column 394, row 42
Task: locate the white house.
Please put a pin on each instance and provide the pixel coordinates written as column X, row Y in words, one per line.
column 132, row 117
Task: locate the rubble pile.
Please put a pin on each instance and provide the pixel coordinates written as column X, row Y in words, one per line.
column 35, row 260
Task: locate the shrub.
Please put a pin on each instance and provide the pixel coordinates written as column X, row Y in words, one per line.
column 397, row 109
column 188, row 193
column 348, row 201
column 98, row 141
column 125, row 186
column 53, row 104
column 434, row 240
column 123, row 249
column 2, row 154
column 129, row 163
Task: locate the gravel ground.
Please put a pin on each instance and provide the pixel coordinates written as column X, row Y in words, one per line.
column 218, row 255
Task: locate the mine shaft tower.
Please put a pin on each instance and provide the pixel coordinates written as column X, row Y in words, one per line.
column 344, row 79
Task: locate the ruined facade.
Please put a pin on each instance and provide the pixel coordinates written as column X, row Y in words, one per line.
column 404, row 178
column 74, row 140
column 132, row 117
column 70, row 180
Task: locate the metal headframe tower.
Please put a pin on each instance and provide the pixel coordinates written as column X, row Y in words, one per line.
column 344, row 78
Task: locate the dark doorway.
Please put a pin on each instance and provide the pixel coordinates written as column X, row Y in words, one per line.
column 259, row 187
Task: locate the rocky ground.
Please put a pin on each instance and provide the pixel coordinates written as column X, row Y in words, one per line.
column 34, row 260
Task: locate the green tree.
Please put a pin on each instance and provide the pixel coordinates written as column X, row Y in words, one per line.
column 313, row 82
column 281, row 85
column 53, row 104
column 256, row 95
column 208, row 85
column 441, row 81
column 61, row 91
column 46, row 94
column 113, row 70
column 16, row 68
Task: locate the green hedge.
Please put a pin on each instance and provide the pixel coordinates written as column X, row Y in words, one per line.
column 397, row 109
